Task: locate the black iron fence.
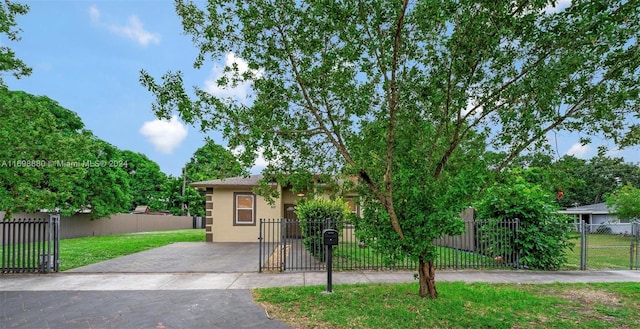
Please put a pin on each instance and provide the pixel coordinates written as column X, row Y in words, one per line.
column 30, row 245
column 284, row 246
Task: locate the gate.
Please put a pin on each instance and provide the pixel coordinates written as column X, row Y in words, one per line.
column 282, row 247
column 609, row 245
column 30, row 245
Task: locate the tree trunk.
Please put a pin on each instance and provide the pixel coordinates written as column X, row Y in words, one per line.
column 427, row 279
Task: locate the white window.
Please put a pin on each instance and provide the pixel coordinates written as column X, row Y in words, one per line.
column 244, row 209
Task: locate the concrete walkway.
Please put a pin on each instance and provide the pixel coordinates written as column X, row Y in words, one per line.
column 249, row 280
column 198, row 285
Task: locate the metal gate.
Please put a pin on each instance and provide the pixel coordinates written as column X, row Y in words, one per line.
column 30, row 245
column 282, row 248
column 609, row 245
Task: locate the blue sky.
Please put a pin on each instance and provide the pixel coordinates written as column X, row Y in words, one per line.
column 87, row 56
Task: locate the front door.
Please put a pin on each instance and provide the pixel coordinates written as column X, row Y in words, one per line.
column 293, row 229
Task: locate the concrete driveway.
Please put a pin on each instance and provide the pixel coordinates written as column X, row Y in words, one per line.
column 182, row 257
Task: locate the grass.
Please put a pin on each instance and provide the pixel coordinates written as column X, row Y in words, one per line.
column 84, row 251
column 349, row 255
column 605, row 251
column 460, row 305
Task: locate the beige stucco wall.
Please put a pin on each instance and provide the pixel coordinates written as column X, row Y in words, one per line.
column 220, row 210
column 288, row 197
column 222, row 223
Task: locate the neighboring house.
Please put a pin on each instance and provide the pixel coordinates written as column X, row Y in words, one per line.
column 140, row 210
column 597, row 213
column 233, row 211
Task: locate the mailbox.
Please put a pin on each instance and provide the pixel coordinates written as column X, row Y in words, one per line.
column 330, row 237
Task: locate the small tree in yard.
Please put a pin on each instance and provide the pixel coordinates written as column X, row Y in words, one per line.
column 315, row 216
column 404, row 94
column 543, row 234
column 626, row 202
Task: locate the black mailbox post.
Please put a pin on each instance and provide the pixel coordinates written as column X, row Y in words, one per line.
column 330, row 239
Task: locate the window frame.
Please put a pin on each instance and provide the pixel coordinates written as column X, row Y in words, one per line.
column 235, row 209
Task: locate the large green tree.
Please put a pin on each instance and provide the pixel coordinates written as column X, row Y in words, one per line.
column 333, row 79
column 626, row 201
column 8, row 27
column 212, row 161
column 104, row 189
column 36, row 146
column 145, row 178
column 179, row 199
column 576, row 181
column 48, row 160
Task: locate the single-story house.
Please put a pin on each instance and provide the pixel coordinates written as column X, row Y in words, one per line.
column 597, row 213
column 233, row 211
column 601, row 219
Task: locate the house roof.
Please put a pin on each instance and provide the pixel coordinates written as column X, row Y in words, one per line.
column 141, row 209
column 240, row 181
column 594, row 209
column 229, row 182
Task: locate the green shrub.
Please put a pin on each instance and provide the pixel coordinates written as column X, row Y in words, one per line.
column 603, row 229
column 543, row 234
column 315, row 216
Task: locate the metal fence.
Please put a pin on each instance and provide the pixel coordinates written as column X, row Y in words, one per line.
column 30, row 245
column 284, row 246
column 608, row 245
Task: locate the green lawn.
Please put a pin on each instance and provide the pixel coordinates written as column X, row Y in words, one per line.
column 460, row 305
column 605, row 251
column 350, row 255
column 84, row 251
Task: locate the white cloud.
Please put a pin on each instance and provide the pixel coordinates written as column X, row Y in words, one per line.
column 133, row 30
column 258, row 164
column 560, row 5
column 94, row 13
column 579, row 151
column 164, row 135
column 239, row 92
column 472, row 105
column 614, row 152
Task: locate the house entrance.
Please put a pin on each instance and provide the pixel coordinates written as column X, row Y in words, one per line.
column 292, row 226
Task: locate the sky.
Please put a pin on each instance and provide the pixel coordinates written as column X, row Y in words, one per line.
column 87, row 56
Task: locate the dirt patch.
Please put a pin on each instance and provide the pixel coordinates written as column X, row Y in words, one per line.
column 274, row 262
column 589, row 297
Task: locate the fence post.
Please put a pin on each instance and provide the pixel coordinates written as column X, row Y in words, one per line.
column 260, row 246
column 47, row 257
column 635, row 239
column 456, row 245
column 283, row 243
column 583, row 245
column 56, row 242
column 517, row 232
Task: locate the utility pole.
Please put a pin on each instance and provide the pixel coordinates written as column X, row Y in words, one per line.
column 184, row 187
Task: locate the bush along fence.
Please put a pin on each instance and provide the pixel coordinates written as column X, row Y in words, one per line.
column 285, row 245
column 30, row 245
